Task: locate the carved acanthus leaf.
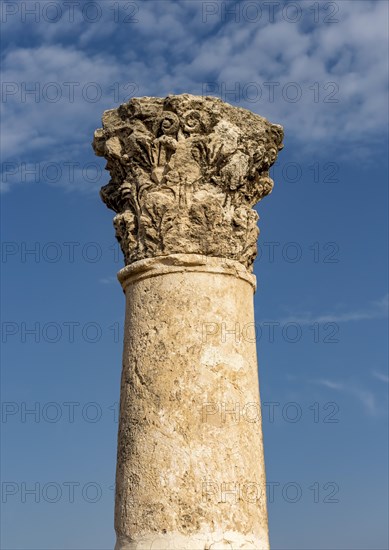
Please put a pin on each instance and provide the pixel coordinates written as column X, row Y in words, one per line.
column 186, row 172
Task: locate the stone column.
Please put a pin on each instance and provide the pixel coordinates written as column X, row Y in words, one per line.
column 186, row 172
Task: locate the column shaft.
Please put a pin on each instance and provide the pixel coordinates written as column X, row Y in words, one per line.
column 190, row 471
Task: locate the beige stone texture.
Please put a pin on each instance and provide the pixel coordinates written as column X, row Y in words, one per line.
column 190, row 471
column 186, row 172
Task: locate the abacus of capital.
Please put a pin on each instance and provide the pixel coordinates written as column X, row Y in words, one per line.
column 186, row 172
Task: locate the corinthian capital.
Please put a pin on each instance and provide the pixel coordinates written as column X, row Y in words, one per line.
column 186, row 172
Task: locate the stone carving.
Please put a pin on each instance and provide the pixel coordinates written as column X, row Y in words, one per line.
column 186, row 172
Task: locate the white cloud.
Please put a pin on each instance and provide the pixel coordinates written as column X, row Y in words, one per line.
column 37, row 131
column 376, row 309
column 330, row 384
column 108, row 280
column 177, row 51
column 51, row 112
column 364, row 396
column 381, row 376
column 367, row 398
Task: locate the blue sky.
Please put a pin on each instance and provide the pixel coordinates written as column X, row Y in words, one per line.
column 320, row 70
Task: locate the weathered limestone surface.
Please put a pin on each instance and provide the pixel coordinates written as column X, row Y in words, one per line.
column 185, row 174
column 186, row 467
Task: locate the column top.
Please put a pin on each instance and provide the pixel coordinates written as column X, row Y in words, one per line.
column 178, row 263
column 186, row 172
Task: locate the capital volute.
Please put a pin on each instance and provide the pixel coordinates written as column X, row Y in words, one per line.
column 186, row 172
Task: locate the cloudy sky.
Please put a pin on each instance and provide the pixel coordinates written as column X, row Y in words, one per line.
column 318, row 68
